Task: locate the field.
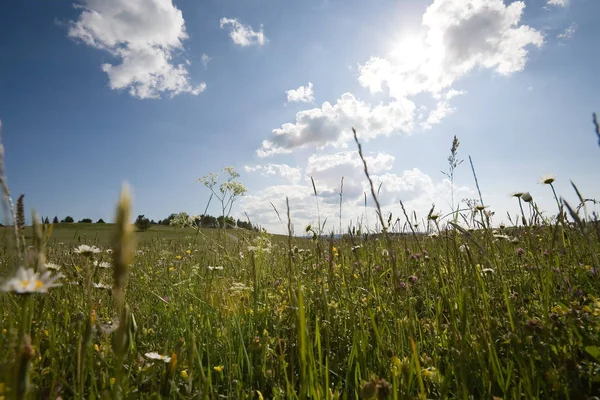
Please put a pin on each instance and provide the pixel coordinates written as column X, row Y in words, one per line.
column 470, row 314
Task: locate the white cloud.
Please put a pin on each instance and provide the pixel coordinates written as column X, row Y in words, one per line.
column 376, row 163
column 243, row 35
column 558, row 3
column 331, row 125
column 304, row 94
column 569, row 32
column 458, row 36
column 416, row 189
column 143, row 35
column 293, row 174
column 205, row 60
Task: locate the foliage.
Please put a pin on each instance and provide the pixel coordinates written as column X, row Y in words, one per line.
column 68, row 220
column 227, row 192
column 142, row 223
column 85, row 221
column 100, row 221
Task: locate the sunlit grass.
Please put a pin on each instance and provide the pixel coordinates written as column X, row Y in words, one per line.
column 464, row 311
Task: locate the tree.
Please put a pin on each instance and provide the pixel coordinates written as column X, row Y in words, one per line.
column 100, row 221
column 68, row 220
column 46, row 221
column 227, row 192
column 142, row 223
column 85, row 221
column 55, row 220
column 229, row 222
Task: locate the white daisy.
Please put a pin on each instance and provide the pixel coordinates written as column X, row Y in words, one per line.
column 52, row 266
column 101, row 286
column 499, row 236
column 547, row 179
column 27, row 281
column 157, row 357
column 103, row 264
column 86, row 250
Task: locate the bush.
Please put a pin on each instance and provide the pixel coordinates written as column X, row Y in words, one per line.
column 100, row 221
column 85, row 221
column 68, row 220
column 142, row 223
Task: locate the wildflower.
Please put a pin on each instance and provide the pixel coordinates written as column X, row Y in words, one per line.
column 157, row 357
column 96, row 347
column 480, row 207
column 505, row 237
column 178, row 257
column 87, row 251
column 103, row 264
column 52, row 266
column 487, row 270
column 534, row 325
column 547, row 179
column 112, row 381
column 517, row 194
column 433, row 217
column 413, row 279
column 188, row 252
column 463, row 248
column 26, row 281
column 183, row 374
column 218, row 368
column 101, row 286
column 526, row 197
column 218, row 267
column 520, row 251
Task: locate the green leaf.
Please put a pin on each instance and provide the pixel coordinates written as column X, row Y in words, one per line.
column 593, row 351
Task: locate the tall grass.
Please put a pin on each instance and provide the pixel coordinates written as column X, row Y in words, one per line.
column 471, row 312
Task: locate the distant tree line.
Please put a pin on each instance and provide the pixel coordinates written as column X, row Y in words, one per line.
column 69, row 220
column 209, row 221
column 142, row 223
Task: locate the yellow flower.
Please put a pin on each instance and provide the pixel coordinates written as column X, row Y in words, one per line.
column 96, row 347
column 45, row 332
column 112, row 381
column 184, row 374
column 218, row 368
column 188, row 251
column 171, row 269
column 260, row 395
column 178, row 257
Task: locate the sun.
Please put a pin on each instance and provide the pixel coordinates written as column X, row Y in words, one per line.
column 409, row 50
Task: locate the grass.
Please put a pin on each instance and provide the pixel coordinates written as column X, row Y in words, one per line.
column 471, row 316
column 466, row 312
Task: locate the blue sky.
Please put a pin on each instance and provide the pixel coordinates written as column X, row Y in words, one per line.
column 158, row 93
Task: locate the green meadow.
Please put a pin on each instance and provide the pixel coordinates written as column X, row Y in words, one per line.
column 482, row 313
column 439, row 307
